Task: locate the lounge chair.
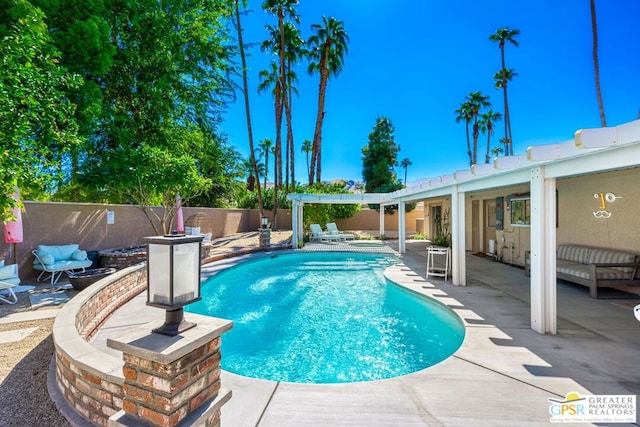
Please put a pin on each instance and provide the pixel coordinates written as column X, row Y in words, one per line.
column 321, row 236
column 8, row 279
column 332, row 229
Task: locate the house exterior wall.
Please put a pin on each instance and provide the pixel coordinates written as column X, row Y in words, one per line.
column 578, row 204
column 580, row 220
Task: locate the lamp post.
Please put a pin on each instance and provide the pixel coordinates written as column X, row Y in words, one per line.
column 265, row 232
column 173, row 278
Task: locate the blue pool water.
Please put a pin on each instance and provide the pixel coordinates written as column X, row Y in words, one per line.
column 325, row 318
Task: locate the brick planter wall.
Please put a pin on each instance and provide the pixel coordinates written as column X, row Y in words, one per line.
column 90, row 380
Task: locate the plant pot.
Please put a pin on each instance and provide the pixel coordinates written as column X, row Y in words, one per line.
column 84, row 279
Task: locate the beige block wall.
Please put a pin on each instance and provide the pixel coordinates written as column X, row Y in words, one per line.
column 86, row 225
column 369, row 219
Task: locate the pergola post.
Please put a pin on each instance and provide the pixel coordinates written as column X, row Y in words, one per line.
column 543, row 252
column 295, row 236
column 402, row 244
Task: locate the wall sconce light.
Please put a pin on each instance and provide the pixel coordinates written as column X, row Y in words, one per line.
column 173, row 278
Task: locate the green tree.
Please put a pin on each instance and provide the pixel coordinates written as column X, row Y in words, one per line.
column 82, row 34
column 327, row 47
column 464, row 114
column 503, row 36
column 596, row 62
column 265, row 147
column 486, row 125
column 36, row 118
column 321, row 213
column 307, row 148
column 405, row 163
column 163, row 98
column 379, row 158
column 477, row 101
column 502, row 78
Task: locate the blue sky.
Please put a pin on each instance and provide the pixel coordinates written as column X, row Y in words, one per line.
column 415, row 61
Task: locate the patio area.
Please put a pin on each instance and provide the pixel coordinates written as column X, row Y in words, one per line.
column 504, row 373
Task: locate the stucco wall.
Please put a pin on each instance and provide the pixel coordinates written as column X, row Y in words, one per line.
column 86, row 224
column 577, row 205
column 369, row 219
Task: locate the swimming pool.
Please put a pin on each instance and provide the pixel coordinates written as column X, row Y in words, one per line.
column 325, row 318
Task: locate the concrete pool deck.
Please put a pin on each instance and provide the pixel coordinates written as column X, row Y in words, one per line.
column 503, row 374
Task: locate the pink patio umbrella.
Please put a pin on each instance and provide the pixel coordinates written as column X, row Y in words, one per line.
column 13, row 229
column 179, row 216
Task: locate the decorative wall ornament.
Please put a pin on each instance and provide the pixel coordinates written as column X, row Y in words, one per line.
column 604, row 199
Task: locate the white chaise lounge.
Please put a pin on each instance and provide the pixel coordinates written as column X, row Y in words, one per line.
column 321, row 236
column 332, row 229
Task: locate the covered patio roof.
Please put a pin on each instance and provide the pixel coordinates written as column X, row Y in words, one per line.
column 591, row 151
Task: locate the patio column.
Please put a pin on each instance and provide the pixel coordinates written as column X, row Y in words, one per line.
column 457, row 221
column 402, row 244
column 300, row 221
column 294, row 225
column 543, row 252
column 381, row 220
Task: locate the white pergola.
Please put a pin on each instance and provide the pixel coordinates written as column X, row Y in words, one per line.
column 591, row 151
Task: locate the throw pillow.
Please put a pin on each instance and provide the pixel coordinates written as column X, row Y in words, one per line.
column 79, row 255
column 47, row 259
column 7, row 272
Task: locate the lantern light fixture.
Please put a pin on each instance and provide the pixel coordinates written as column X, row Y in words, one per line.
column 173, row 278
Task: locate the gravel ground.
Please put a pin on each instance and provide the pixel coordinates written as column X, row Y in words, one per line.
column 24, row 365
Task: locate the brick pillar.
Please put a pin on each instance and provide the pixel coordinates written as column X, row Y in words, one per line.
column 172, row 380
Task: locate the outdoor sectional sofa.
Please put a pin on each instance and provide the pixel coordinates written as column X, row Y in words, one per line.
column 58, row 259
column 594, row 267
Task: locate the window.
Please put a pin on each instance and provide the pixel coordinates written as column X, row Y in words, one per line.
column 521, row 212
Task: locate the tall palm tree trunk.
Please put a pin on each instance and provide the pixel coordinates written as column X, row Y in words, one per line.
column 247, row 110
column 317, row 133
column 468, row 143
column 290, row 143
column 596, row 65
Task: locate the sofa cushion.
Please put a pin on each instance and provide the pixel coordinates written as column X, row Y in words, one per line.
column 598, row 256
column 7, row 272
column 59, row 252
column 573, row 253
column 79, row 255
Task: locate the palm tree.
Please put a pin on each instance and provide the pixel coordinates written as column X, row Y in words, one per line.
column 502, row 78
column 264, row 148
column 307, row 147
column 405, row 163
column 245, row 90
column 464, row 113
column 294, row 51
column 280, row 8
column 502, row 36
column 596, row 65
column 486, row 125
column 327, row 48
column 477, row 101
